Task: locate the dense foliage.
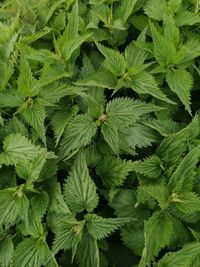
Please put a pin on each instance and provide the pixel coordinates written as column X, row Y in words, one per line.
column 99, row 133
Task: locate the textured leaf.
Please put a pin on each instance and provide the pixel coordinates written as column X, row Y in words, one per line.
column 16, row 148
column 113, row 171
column 80, row 190
column 160, row 223
column 187, row 202
column 110, row 134
column 144, row 83
column 180, row 82
column 183, row 176
column 78, row 133
column 125, row 111
column 88, row 252
column 181, row 258
column 68, row 232
column 9, row 100
column 114, row 61
column 25, row 79
column 6, row 252
column 35, row 114
column 31, row 170
column 33, row 252
column 124, row 10
column 156, row 9
column 61, row 119
column 100, row 227
column 164, row 50
column 13, row 205
column 150, row 167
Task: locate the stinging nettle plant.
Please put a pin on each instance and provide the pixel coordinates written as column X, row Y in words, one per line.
column 99, row 133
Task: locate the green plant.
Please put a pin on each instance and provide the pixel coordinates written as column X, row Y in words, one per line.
column 99, row 133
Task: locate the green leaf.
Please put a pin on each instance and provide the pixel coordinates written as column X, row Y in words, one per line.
column 110, row 134
column 123, row 112
column 39, row 203
column 6, row 252
column 78, row 133
column 71, row 31
column 184, row 174
column 68, row 232
column 175, row 145
column 187, row 202
column 88, row 252
column 161, row 224
column 17, row 148
column 33, row 252
column 186, row 17
column 34, row 114
column 67, row 47
column 150, row 167
column 52, row 9
column 114, row 61
column 124, row 10
column 13, row 205
column 113, row 171
column 61, row 119
column 80, row 190
column 25, row 79
column 8, row 100
column 180, row 82
column 156, row 9
column 57, row 203
column 134, row 55
column 164, row 50
column 100, row 227
column 144, row 83
column 138, row 135
column 181, row 258
column 30, row 170
column 159, row 192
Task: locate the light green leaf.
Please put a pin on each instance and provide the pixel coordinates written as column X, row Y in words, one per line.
column 150, row 167
column 164, row 50
column 16, row 148
column 180, row 82
column 68, row 232
column 184, row 174
column 145, row 83
column 6, row 252
column 156, row 9
column 80, row 190
column 110, row 134
column 182, row 258
column 88, row 251
column 138, row 135
column 13, row 205
column 25, row 79
column 187, row 202
column 161, row 224
column 114, row 61
column 124, row 10
column 125, row 111
column 33, row 252
column 77, row 134
column 186, row 17
column 61, row 119
column 34, row 114
column 30, row 170
column 113, row 171
column 8, row 100
column 100, row 227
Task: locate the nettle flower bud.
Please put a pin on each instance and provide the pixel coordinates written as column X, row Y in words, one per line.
column 103, row 118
